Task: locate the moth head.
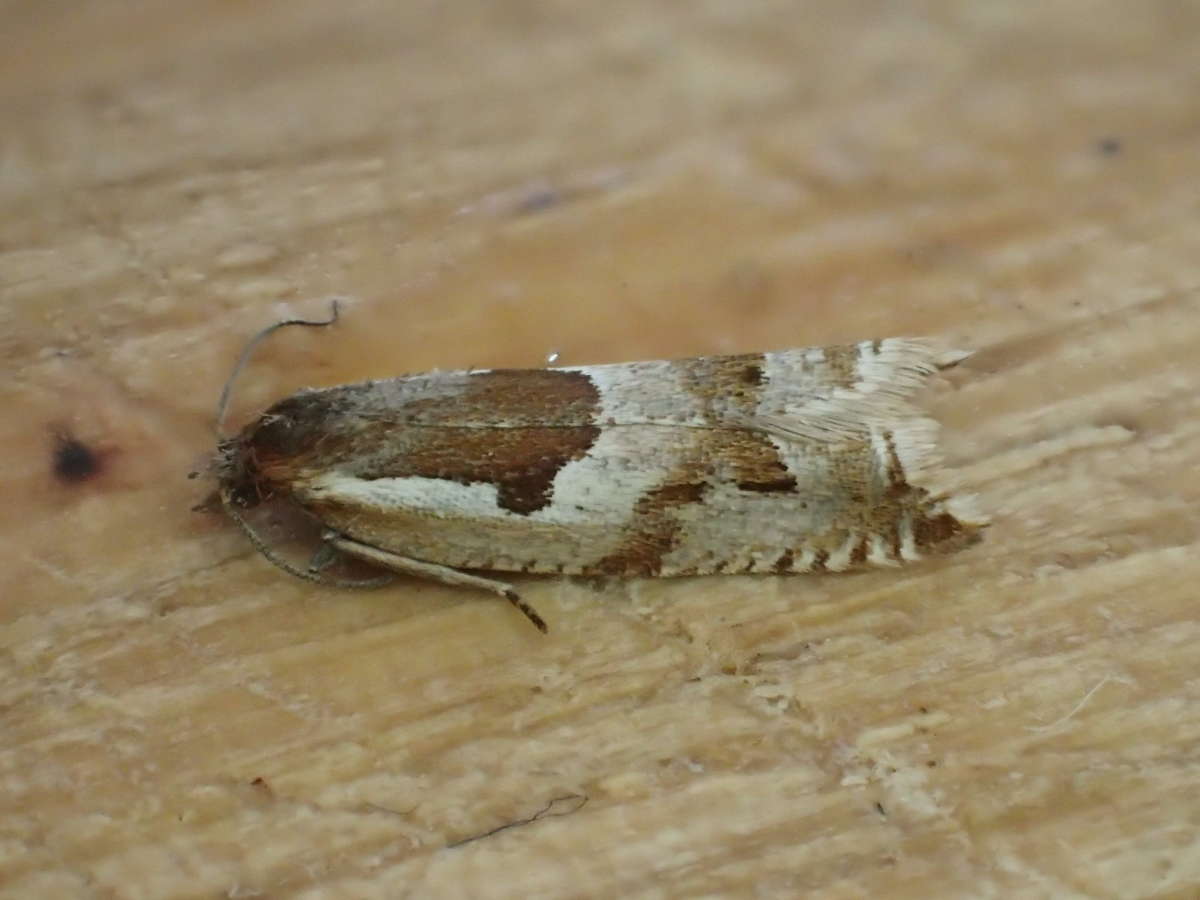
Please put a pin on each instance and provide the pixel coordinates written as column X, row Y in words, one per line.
column 237, row 473
column 240, row 482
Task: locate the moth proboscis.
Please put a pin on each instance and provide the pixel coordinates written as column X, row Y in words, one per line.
column 808, row 460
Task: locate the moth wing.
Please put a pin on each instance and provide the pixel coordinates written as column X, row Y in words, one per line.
column 896, row 434
column 831, row 427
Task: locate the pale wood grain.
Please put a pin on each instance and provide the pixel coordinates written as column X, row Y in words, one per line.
column 609, row 181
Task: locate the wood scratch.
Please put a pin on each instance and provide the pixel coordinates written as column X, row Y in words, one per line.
column 572, row 803
column 1078, row 706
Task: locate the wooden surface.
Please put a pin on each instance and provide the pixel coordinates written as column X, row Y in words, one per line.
column 491, row 183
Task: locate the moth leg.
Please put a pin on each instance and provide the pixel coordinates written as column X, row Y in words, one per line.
column 434, row 572
column 323, row 557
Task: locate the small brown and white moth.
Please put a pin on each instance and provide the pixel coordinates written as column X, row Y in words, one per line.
column 809, row 460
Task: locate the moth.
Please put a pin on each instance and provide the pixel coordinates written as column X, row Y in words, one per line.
column 807, row 460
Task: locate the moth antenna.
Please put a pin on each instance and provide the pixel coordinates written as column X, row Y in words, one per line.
column 529, row 612
column 227, row 391
column 271, row 557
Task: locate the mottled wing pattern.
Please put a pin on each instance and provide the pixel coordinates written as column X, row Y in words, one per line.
column 800, row 460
